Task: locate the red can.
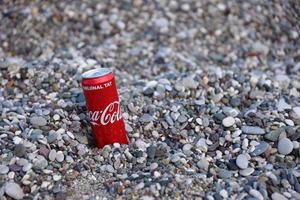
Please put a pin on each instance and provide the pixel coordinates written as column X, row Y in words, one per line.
column 103, row 106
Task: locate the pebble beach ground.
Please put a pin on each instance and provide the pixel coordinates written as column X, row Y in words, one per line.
column 210, row 93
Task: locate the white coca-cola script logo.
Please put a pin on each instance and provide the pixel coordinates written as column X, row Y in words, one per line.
column 109, row 115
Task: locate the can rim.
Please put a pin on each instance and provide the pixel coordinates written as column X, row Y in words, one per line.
column 93, row 73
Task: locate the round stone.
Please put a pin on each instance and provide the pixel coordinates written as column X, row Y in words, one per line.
column 285, row 146
column 52, row 155
column 4, row 169
column 187, row 149
column 38, row 121
column 56, row 117
column 242, row 161
column 60, row 156
column 27, row 167
column 14, row 190
column 228, row 121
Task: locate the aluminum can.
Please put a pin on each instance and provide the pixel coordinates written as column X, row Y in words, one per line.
column 103, row 107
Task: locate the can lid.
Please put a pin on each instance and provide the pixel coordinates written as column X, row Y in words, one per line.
column 93, row 73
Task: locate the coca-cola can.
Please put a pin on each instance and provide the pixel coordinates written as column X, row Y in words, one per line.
column 103, row 107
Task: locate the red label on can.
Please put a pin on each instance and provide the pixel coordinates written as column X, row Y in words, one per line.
column 103, row 106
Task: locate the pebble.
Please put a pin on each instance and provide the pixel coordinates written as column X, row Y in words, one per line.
column 260, row 148
column 14, row 190
column 242, row 161
column 59, row 156
column 20, row 150
column 27, row 167
column 224, row 174
column 285, row 146
column 52, row 155
column 254, row 130
column 282, row 105
column 278, row 196
column 4, row 169
column 246, row 172
column 38, row 121
column 203, row 164
column 187, row 149
column 146, row 118
column 256, row 194
column 40, row 163
column 228, row 121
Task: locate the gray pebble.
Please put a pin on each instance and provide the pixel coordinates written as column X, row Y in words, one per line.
column 27, row 167
column 225, row 174
column 4, row 169
column 242, row 161
column 14, row 190
column 228, row 121
column 285, row 146
column 20, row 150
column 60, row 156
column 38, row 121
column 260, row 148
column 254, row 130
column 146, row 118
column 52, row 155
column 203, row 164
column 246, row 172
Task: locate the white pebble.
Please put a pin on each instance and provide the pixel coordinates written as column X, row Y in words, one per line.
column 242, row 161
column 228, row 121
column 285, row 146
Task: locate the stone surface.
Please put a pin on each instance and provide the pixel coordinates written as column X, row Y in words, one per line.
column 242, row 161
column 14, row 190
column 285, row 146
column 253, row 130
column 228, row 121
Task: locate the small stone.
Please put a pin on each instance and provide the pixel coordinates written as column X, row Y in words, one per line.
column 146, row 118
column 140, row 144
column 44, row 151
column 246, row 172
column 228, row 121
column 282, row 105
column 224, row 174
column 110, row 169
column 274, row 134
column 52, row 155
column 256, row 194
column 38, row 121
column 52, row 137
column 254, row 130
column 4, row 169
column 40, row 163
column 201, row 144
column 151, row 151
column 56, row 177
column 56, row 117
column 203, row 164
column 285, row 146
column 128, row 128
column 27, row 167
column 60, row 156
column 278, row 196
column 14, row 190
column 242, row 161
column 106, row 151
column 187, row 149
column 20, row 150
column 260, row 148
column 224, row 194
